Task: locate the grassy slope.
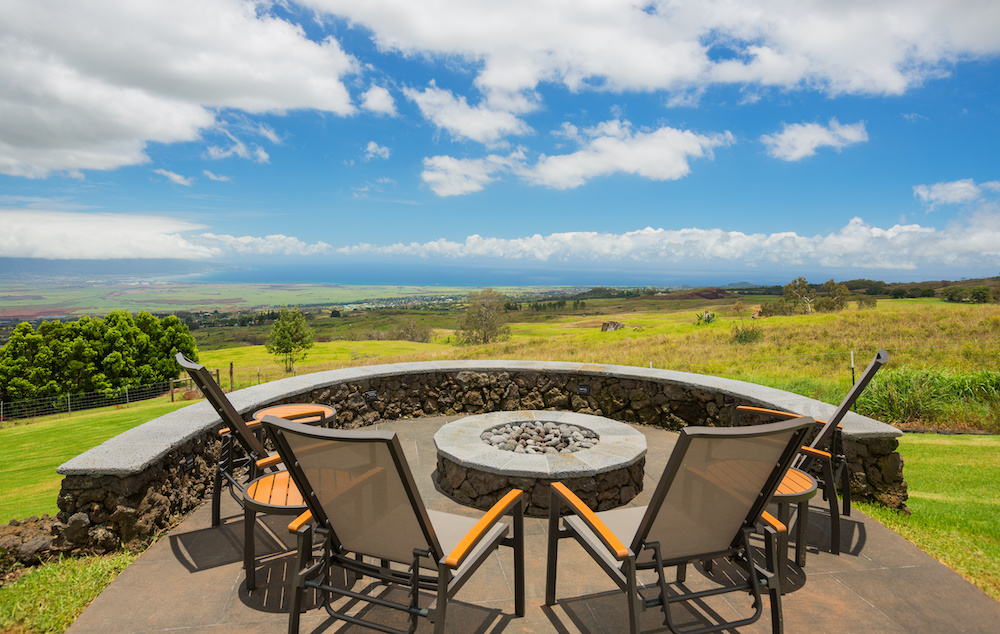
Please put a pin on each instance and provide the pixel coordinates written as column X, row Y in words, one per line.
column 953, row 483
column 33, row 452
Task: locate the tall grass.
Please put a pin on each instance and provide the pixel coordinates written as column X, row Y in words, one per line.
column 913, row 398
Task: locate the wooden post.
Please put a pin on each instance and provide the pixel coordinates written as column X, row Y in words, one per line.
column 171, row 390
column 231, row 388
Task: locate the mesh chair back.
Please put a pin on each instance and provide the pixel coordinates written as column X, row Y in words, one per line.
column 357, row 483
column 716, row 481
column 220, row 402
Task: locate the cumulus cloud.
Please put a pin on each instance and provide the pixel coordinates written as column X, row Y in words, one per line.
column 448, row 176
column 857, row 245
column 378, row 100
column 608, row 148
column 799, row 140
column 685, row 47
column 374, row 151
column 954, row 192
column 276, row 244
column 215, row 177
column 454, row 114
column 174, row 178
column 613, row 146
column 35, row 232
column 89, row 85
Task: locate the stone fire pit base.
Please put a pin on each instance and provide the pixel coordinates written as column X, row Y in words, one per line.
column 475, row 474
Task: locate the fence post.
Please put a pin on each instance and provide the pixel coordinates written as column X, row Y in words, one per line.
column 231, row 376
column 69, row 406
column 126, row 395
column 171, row 390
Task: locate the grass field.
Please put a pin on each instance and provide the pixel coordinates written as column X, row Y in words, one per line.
column 95, row 299
column 31, row 482
column 953, row 483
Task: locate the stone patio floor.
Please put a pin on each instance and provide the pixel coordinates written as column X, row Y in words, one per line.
column 192, row 581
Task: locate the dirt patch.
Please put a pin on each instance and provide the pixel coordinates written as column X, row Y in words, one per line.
column 21, row 298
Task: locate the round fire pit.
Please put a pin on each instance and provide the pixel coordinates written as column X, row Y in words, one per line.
column 474, row 470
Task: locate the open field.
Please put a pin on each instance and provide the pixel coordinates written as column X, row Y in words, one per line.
column 806, row 354
column 34, row 300
column 32, row 452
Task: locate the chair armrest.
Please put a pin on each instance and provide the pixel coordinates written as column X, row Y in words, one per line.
column 776, row 412
column 226, row 431
column 270, row 461
column 773, row 522
column 486, row 522
column 816, row 453
column 590, row 518
column 300, row 521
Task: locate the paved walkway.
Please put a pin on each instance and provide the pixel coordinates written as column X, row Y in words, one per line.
column 192, row 581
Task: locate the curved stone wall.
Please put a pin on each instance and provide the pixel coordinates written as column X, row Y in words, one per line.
column 128, row 487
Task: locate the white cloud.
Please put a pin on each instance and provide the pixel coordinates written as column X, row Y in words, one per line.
column 374, row 151
column 277, row 244
column 448, row 176
column 613, row 146
column 875, row 48
column 239, row 149
column 954, row 192
column 857, row 245
column 88, row 85
column 454, row 114
column 216, row 177
column 379, row 100
column 63, row 235
column 60, row 235
column 799, row 140
column 175, row 178
column 608, row 148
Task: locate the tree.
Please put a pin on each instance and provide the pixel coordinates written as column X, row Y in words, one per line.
column 836, row 297
column 955, row 293
column 485, row 319
column 92, row 355
column 289, row 337
column 799, row 290
column 980, row 294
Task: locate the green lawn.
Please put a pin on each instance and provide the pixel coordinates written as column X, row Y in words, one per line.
column 954, row 486
column 33, row 452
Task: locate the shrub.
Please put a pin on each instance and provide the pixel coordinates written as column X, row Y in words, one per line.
column 776, row 309
column 704, row 318
column 743, row 335
column 866, row 301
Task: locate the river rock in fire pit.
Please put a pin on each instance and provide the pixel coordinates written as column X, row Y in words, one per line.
column 536, row 437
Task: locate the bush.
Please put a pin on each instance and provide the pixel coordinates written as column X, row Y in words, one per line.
column 865, row 301
column 776, row 309
column 743, row 335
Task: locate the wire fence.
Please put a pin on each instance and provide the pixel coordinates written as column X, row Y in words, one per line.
column 21, row 412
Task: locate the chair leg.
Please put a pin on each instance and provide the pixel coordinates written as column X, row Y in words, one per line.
column 552, row 555
column 249, row 557
column 845, row 488
column 518, row 527
column 782, row 560
column 800, row 537
column 830, row 489
column 217, row 498
column 632, row 595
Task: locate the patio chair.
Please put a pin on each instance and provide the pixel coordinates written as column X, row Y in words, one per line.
column 365, row 504
column 712, row 495
column 799, row 486
column 253, row 478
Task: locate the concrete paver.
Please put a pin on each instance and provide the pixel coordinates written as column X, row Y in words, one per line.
column 192, row 580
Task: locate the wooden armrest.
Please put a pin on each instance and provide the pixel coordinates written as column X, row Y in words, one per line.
column 773, row 522
column 270, row 461
column 816, row 453
column 776, row 412
column 225, row 431
column 464, row 547
column 590, row 518
column 300, row 521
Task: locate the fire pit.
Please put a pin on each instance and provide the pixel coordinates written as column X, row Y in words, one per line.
column 482, row 457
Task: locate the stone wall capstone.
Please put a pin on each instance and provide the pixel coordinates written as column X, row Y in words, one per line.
column 125, row 490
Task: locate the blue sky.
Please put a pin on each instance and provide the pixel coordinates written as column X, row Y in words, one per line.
column 543, row 141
